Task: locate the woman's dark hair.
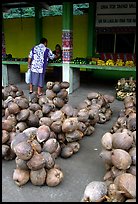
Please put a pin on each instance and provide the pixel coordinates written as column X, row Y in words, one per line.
column 43, row 40
column 58, row 46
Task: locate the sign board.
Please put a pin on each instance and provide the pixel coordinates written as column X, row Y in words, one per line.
column 110, row 14
column 116, row 7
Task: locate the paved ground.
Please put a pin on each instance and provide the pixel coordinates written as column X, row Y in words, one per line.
column 80, row 169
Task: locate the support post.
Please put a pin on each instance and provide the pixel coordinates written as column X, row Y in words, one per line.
column 68, row 74
column 91, row 43
column 38, row 23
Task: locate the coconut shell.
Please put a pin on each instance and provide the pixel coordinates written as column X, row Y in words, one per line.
column 68, row 110
column 89, row 130
column 13, row 108
column 109, row 98
column 58, row 102
column 5, row 136
column 64, row 84
column 122, row 141
column 19, row 137
column 23, row 115
column 34, row 107
column 83, row 115
column 121, row 159
column 57, row 115
column 46, row 108
column 81, row 126
column 20, row 127
column 127, row 183
column 30, row 132
column 56, row 126
column 42, row 100
column 21, row 164
column 43, row 133
column 50, row 145
column 106, row 156
column 94, row 191
column 38, row 177
column 74, row 145
column 45, row 121
column 69, row 124
column 33, row 120
column 57, row 152
column 7, row 125
column 56, row 87
column 74, row 136
column 66, row 151
column 49, row 160
column 49, row 84
column 50, row 94
column 62, row 94
column 132, row 170
column 5, row 150
column 54, row 177
column 132, row 153
column 36, row 162
column 92, row 95
column 24, row 150
column 23, row 103
column 20, row 176
column 107, row 141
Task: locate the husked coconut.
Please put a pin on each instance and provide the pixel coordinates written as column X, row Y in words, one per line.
column 54, row 177
column 43, row 133
column 38, row 177
column 20, row 176
column 94, row 192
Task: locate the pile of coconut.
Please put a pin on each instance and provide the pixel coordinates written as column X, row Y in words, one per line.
column 36, row 131
column 119, row 155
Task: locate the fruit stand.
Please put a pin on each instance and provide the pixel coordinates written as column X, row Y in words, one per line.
column 70, row 72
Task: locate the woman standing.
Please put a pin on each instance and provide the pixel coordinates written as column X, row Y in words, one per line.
column 37, row 62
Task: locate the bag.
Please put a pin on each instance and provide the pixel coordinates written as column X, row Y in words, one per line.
column 27, row 76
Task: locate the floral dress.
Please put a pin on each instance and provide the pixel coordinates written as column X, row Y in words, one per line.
column 39, row 55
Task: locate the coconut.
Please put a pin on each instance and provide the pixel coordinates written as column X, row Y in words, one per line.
column 127, row 183
column 38, row 177
column 43, row 133
column 66, row 151
column 121, row 159
column 20, row 176
column 49, row 160
column 36, row 162
column 122, row 141
column 54, row 177
column 23, row 150
column 94, row 191
column 50, row 145
column 107, row 141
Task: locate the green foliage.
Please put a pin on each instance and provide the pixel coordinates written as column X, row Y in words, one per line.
column 55, row 10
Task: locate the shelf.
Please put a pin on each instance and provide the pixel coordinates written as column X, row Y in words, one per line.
column 97, row 67
column 85, row 66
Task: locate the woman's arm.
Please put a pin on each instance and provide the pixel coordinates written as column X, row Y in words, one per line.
column 30, row 59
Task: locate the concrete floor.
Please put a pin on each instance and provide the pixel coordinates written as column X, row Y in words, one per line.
column 80, row 169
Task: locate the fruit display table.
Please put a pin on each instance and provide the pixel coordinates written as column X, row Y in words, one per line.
column 11, row 71
column 70, row 72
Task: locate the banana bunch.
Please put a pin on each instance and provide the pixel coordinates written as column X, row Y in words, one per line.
column 119, row 62
column 120, row 95
column 100, row 62
column 125, row 87
column 129, row 63
column 109, row 62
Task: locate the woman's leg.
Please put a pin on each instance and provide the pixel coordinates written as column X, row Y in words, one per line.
column 31, row 88
column 39, row 90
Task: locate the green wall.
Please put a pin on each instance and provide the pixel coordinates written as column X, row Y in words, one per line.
column 20, row 34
